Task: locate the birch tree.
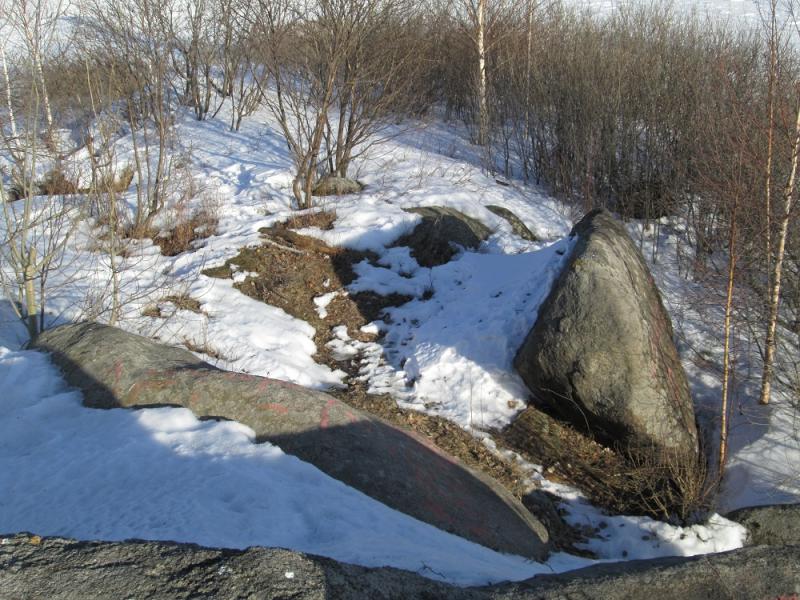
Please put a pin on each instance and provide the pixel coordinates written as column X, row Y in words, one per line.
column 784, row 218
column 36, row 22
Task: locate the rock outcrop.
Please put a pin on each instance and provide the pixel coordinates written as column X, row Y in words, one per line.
column 517, row 226
column 601, row 353
column 60, row 569
column 437, row 238
column 772, row 525
column 397, row 467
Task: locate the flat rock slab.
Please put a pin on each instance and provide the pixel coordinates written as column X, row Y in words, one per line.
column 60, row 569
column 403, row 470
column 772, row 525
column 601, row 354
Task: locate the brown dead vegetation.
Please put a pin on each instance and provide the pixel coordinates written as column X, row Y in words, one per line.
column 180, row 301
column 183, row 236
column 203, row 348
column 624, row 481
column 289, row 271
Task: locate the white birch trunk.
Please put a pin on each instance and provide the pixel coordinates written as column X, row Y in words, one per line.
column 775, row 295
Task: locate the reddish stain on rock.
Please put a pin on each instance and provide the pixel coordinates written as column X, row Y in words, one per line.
column 274, row 407
column 325, row 417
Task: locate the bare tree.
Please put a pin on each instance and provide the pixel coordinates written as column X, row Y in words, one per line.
column 36, row 22
column 485, row 23
column 314, row 53
column 129, row 44
column 193, row 31
column 35, row 231
column 238, row 51
column 376, row 81
column 777, row 270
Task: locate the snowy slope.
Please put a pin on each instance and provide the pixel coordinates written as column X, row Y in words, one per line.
column 448, row 355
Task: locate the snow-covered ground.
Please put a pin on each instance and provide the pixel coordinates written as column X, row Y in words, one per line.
column 161, row 474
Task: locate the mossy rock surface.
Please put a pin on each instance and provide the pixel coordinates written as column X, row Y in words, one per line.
column 62, row 569
column 517, row 226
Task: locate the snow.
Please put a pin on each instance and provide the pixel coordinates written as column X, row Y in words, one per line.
column 763, row 464
column 162, row 474
column 456, row 348
column 321, row 303
column 739, row 13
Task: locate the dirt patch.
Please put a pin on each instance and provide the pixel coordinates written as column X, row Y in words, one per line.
column 445, row 434
column 321, row 219
column 289, row 270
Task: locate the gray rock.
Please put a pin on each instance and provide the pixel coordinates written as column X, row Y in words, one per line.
column 56, row 568
column 773, row 525
column 601, row 353
column 397, row 467
column 60, row 569
column 442, row 231
column 517, row 226
column 336, row 186
column 756, row 573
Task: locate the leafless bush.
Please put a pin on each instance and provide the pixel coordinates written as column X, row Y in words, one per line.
column 338, row 71
column 642, row 480
column 187, row 225
column 128, row 51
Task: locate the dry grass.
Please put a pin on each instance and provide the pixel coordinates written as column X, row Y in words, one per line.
column 116, row 182
column 185, row 302
column 641, row 481
column 181, row 301
column 183, row 236
column 203, row 348
column 152, row 311
column 320, row 219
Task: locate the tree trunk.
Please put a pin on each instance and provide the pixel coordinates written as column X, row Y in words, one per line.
column 9, row 104
column 483, row 106
column 30, row 294
column 726, row 360
column 775, row 293
column 773, row 67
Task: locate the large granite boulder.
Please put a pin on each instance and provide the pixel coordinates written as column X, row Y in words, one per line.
column 601, row 354
column 61, row 569
column 403, row 470
column 771, row 525
column 440, row 234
